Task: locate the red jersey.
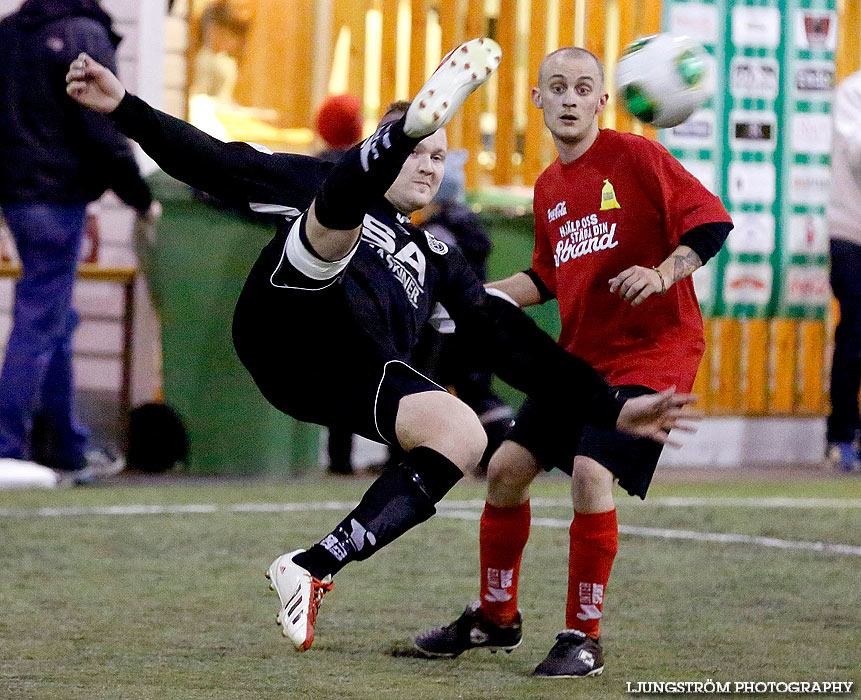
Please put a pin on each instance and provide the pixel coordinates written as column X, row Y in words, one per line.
column 624, row 202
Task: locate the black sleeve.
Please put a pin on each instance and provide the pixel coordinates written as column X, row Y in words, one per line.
column 523, row 355
column 544, row 293
column 706, row 240
column 108, row 148
column 234, row 172
column 509, row 343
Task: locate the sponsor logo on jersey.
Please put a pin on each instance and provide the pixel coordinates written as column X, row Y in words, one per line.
column 570, row 227
column 436, row 245
column 608, row 197
column 561, row 209
column 582, row 242
column 408, row 264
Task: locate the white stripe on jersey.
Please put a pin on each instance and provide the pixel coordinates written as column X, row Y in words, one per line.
column 286, row 212
column 304, row 261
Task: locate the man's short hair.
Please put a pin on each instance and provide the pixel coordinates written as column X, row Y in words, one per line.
column 577, row 51
column 394, row 111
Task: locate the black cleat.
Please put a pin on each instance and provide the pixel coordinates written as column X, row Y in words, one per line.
column 573, row 656
column 470, row 631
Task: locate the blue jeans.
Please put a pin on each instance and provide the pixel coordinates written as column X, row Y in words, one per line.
column 37, row 370
column 846, row 366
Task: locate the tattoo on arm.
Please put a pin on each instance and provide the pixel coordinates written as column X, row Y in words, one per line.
column 684, row 265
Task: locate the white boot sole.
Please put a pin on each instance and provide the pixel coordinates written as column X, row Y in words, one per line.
column 459, row 74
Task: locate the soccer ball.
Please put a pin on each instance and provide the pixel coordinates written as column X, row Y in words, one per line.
column 661, row 79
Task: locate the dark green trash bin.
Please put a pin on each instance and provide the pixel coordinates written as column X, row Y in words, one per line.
column 196, row 270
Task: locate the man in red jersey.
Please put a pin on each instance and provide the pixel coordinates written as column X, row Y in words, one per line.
column 620, row 226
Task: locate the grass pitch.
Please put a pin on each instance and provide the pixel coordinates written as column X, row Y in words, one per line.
column 100, row 603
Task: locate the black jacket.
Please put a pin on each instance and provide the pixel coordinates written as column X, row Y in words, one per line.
column 52, row 149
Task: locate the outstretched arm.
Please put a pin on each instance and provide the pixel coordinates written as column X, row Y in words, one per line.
column 527, row 358
column 520, row 288
column 234, row 172
column 521, row 354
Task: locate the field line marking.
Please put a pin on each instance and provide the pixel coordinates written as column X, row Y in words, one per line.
column 453, row 510
column 723, row 538
column 670, row 502
column 753, row 502
column 724, row 501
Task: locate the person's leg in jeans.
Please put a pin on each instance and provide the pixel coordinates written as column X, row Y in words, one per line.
column 57, row 403
column 846, row 366
column 37, row 367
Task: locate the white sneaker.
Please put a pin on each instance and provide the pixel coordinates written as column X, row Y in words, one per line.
column 463, row 70
column 300, row 594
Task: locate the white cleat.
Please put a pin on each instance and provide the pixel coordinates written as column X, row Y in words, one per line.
column 463, row 70
column 300, row 594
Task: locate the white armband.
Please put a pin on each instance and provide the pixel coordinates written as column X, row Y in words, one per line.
column 493, row 291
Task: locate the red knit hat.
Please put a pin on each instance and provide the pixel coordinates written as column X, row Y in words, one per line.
column 339, row 121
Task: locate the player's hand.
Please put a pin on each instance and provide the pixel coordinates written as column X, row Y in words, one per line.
column 655, row 415
column 92, row 85
column 636, row 284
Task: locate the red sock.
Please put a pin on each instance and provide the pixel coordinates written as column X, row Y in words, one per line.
column 502, row 537
column 593, row 546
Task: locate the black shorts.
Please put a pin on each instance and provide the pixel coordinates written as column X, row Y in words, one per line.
column 297, row 335
column 555, row 444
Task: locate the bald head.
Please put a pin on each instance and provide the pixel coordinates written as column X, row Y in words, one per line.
column 575, row 52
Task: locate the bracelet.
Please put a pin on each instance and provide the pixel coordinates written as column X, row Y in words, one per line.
column 663, row 281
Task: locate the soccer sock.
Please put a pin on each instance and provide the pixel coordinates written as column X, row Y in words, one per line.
column 592, row 549
column 362, row 176
column 402, row 497
column 502, row 538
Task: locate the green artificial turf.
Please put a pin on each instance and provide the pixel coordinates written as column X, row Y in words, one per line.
column 174, row 605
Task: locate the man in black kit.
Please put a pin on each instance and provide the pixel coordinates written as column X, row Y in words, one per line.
column 333, row 307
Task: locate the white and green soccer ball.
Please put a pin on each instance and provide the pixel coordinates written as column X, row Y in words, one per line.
column 661, row 79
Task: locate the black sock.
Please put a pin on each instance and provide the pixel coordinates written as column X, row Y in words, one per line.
column 401, row 498
column 362, row 176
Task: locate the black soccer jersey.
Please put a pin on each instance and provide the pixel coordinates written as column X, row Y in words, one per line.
column 387, row 291
column 399, row 272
